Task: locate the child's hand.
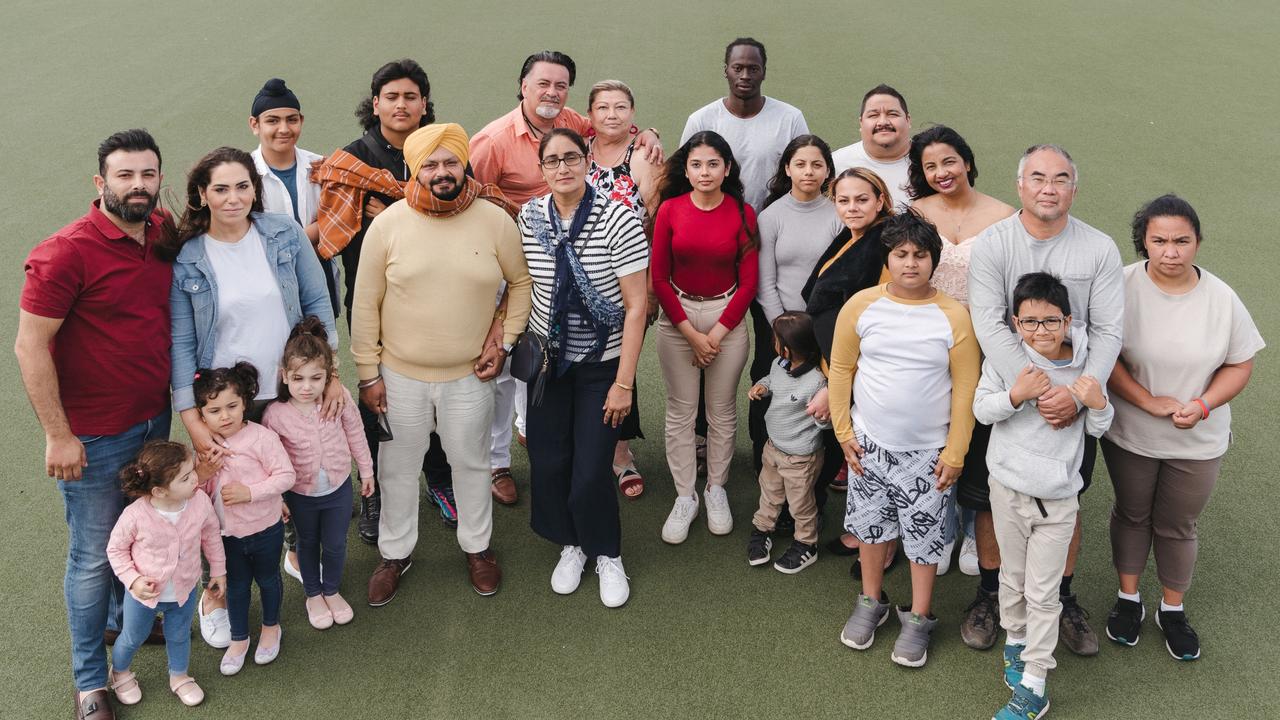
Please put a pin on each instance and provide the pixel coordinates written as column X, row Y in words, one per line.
column 853, row 455
column 1088, row 391
column 234, row 493
column 366, row 486
column 947, row 476
column 1030, row 383
column 207, row 467
column 145, row 588
column 217, row 586
column 1188, row 415
column 757, row 392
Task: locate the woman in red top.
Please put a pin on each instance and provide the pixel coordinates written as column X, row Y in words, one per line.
column 704, row 274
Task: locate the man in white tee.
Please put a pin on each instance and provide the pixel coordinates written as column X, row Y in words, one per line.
column 756, row 127
column 885, row 127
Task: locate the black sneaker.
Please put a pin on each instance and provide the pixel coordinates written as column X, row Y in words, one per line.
column 758, row 547
column 797, row 557
column 1074, row 630
column 370, row 511
column 1179, row 638
column 981, row 621
column 1125, row 621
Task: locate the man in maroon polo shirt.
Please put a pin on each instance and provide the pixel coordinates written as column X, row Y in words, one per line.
column 93, row 347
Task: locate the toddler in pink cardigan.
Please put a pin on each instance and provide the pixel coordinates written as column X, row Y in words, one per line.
column 254, row 471
column 321, row 451
column 155, row 551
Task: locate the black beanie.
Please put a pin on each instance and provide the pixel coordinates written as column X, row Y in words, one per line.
column 274, row 95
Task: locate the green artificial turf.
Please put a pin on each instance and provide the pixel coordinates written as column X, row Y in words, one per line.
column 1149, row 97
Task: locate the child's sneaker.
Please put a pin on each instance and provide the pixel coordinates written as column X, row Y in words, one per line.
column 912, row 646
column 758, row 547
column 969, row 556
column 797, row 557
column 1125, row 621
column 442, row 496
column 1180, row 639
column 676, row 529
column 1024, row 705
column 860, row 630
column 1013, row 665
column 944, row 562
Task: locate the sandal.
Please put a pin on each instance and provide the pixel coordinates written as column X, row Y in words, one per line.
column 630, row 482
column 125, row 686
column 188, row 692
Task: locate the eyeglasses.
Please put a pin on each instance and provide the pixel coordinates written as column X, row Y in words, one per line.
column 1052, row 324
column 570, row 160
column 1037, row 183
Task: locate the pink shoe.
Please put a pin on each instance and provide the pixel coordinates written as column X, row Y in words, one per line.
column 125, row 685
column 318, row 613
column 340, row 608
column 188, row 692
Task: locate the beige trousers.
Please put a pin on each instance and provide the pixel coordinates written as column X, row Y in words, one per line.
column 788, row 478
column 1033, row 537
column 721, row 394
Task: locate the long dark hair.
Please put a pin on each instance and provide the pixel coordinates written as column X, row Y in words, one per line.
column 308, row 342
column 780, row 184
column 405, row 69
column 938, row 134
column 675, row 183
column 195, row 219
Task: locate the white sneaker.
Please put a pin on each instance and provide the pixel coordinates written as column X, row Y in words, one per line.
column 568, row 572
column 292, row 570
column 719, row 519
column 614, row 588
column 944, row 563
column 215, row 627
column 676, row 528
column 969, row 556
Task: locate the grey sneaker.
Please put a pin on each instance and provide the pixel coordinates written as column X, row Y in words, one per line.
column 860, row 631
column 981, row 621
column 912, row 646
column 1074, row 630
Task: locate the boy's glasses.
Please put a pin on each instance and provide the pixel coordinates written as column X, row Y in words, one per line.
column 1052, row 324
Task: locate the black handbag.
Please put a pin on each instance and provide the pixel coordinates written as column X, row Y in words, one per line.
column 530, row 360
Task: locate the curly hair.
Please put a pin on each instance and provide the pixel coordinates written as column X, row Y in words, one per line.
column 242, row 377
column 157, row 465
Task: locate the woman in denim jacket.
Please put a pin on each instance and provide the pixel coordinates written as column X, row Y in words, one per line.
column 224, row 307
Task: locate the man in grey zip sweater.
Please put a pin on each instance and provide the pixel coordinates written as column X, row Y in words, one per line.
column 1043, row 236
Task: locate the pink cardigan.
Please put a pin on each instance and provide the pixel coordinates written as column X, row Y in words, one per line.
column 260, row 462
column 314, row 443
column 144, row 543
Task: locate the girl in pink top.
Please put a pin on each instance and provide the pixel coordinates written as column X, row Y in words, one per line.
column 253, row 472
column 155, row 551
column 321, row 451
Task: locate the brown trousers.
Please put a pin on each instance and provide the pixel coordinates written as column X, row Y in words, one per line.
column 788, row 478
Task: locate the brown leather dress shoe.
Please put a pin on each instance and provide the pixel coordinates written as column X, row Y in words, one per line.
column 155, row 637
column 94, row 706
column 386, row 580
column 484, row 570
column 504, row 487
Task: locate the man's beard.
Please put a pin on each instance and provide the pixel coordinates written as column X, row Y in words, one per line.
column 450, row 194
column 547, row 112
column 126, row 210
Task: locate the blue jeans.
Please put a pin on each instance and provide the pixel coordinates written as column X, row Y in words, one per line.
column 93, row 503
column 322, row 524
column 255, row 558
column 138, row 620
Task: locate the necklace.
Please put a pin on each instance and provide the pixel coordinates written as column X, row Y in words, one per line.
column 534, row 131
column 959, row 223
column 595, row 156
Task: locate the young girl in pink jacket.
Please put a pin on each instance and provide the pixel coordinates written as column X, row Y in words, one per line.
column 155, row 551
column 321, row 451
column 254, row 472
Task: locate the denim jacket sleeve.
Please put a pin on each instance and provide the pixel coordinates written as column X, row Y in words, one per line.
column 183, row 347
column 313, row 290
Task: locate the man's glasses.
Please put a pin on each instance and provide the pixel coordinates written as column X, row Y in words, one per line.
column 1052, row 324
column 1037, row 182
column 569, row 159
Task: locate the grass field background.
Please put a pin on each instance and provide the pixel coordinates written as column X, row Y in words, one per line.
column 1149, row 98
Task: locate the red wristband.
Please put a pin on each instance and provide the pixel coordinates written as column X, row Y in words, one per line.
column 1204, row 408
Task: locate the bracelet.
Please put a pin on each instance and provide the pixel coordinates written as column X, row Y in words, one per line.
column 628, row 388
column 368, row 383
column 1204, row 408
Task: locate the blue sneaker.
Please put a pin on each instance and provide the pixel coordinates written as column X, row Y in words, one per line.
column 1024, row 705
column 442, row 496
column 1013, row 665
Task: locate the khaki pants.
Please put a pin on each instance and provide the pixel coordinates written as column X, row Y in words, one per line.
column 1033, row 553
column 681, row 377
column 461, row 412
column 788, row 478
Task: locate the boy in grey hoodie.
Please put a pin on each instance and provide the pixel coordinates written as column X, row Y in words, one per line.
column 1035, row 480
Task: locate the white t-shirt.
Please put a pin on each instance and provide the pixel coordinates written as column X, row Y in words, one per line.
column 1173, row 344
column 168, row 594
column 893, row 173
column 757, row 142
column 251, row 324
